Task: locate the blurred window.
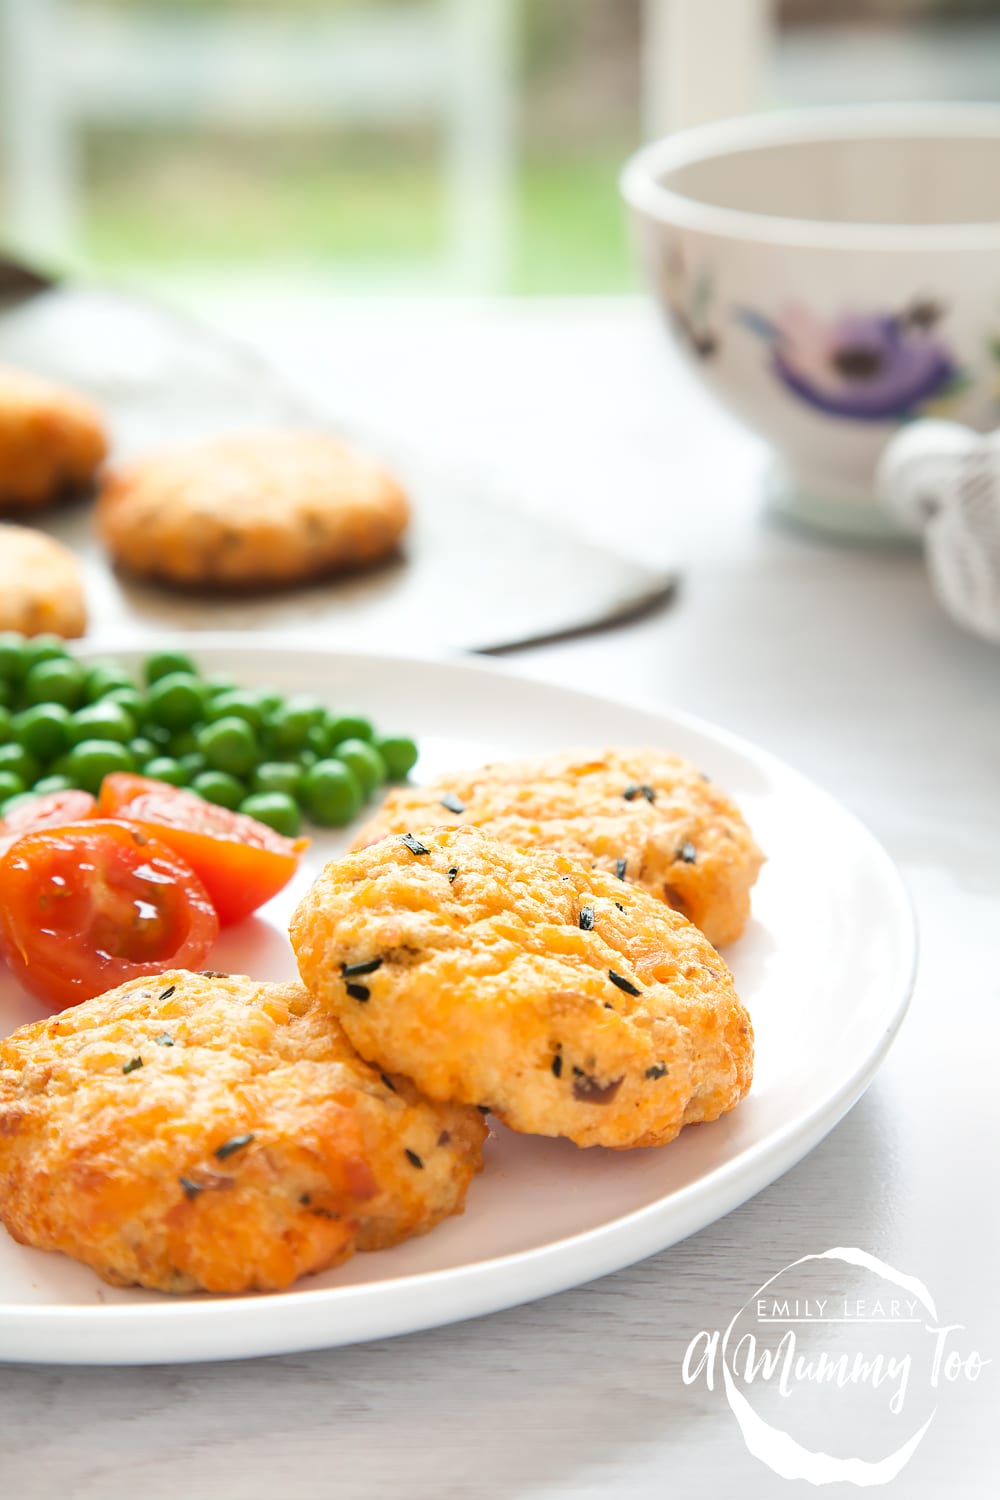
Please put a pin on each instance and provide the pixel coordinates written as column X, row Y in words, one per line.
column 407, row 145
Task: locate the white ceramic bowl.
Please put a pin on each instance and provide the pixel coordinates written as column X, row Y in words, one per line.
column 832, row 273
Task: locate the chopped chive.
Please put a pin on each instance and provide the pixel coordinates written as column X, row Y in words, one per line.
column 687, row 852
column 358, row 991
column 414, row 845
column 657, row 1070
column 413, row 1157
column 608, row 1005
column 623, row 983
column 635, row 790
column 586, row 918
column 621, row 865
column 619, row 906
column 130, row 1067
column 235, row 1143
column 191, row 1188
column 557, row 1066
column 388, row 1082
column 167, row 992
column 350, row 971
column 451, row 874
column 451, row 802
column 166, row 1040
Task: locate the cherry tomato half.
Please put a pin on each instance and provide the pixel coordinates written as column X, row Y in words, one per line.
column 241, row 863
column 51, row 810
column 86, row 907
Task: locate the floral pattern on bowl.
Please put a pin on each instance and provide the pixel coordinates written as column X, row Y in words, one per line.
column 870, row 367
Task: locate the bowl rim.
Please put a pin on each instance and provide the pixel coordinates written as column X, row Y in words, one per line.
column 642, row 186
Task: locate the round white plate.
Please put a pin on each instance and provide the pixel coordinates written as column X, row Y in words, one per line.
column 825, row 968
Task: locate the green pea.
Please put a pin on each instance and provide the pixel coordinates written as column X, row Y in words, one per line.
column 42, row 648
column 11, row 655
column 269, row 700
column 102, row 721
column 44, row 730
column 52, row 784
column 10, row 785
column 143, row 750
column 365, row 761
column 276, row 809
column 229, row 745
column 185, row 743
column 216, row 786
column 277, row 776
column 288, row 727
column 238, row 705
column 167, row 664
column 347, row 727
column 176, row 700
column 105, row 677
column 91, row 760
column 55, row 680
column 20, row 762
column 318, row 740
column 5, row 722
column 165, row 768
column 399, row 753
column 192, row 764
column 331, row 793
column 128, row 698
column 217, row 685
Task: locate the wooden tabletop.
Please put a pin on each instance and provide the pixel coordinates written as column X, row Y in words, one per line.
column 839, row 660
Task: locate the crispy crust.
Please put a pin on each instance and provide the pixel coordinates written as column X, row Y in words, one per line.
column 52, row 441
column 41, row 587
column 689, row 846
column 123, row 1170
column 264, row 510
column 489, row 990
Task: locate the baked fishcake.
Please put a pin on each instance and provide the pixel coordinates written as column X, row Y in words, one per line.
column 646, row 816
column 41, row 588
column 207, row 1132
column 52, row 441
column 565, row 1001
column 262, row 510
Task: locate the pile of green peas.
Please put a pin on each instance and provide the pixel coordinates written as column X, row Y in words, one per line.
column 66, row 723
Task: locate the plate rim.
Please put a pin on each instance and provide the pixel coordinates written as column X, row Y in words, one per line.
column 260, row 1325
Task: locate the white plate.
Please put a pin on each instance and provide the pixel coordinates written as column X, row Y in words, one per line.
column 825, row 968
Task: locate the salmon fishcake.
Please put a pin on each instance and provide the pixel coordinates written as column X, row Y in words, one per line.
column 207, row 1132
column 649, row 817
column 563, row 1000
column 264, row 510
column 41, row 586
column 52, row 441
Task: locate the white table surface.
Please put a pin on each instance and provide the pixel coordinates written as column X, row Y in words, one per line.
column 839, row 660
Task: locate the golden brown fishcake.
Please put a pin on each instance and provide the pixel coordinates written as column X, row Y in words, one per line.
column 204, row 1131
column 41, row 587
column 564, row 1000
column 651, row 818
column 258, row 511
column 52, row 441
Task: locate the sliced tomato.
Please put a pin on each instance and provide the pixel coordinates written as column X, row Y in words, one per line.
column 90, row 905
column 51, row 810
column 242, row 863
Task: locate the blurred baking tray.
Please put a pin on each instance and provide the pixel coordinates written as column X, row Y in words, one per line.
column 475, row 573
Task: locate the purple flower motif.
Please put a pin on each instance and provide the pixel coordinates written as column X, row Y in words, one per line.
column 871, row 367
